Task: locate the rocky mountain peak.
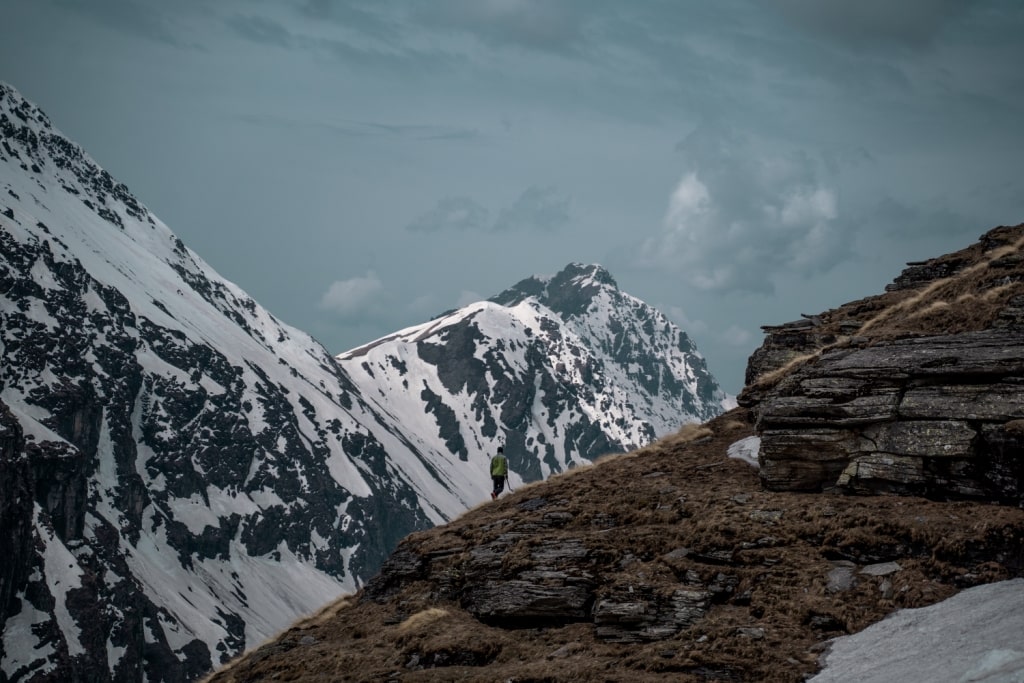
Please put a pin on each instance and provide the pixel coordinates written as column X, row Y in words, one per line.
column 568, row 293
column 33, row 144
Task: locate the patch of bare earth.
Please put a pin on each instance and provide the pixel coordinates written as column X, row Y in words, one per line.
column 784, row 572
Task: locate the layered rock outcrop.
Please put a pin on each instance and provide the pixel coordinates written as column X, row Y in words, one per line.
column 918, row 391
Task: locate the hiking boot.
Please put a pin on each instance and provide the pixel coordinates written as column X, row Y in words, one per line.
column 493, row 495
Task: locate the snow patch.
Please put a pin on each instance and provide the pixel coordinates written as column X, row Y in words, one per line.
column 746, row 450
column 23, row 651
column 973, row 636
column 62, row 575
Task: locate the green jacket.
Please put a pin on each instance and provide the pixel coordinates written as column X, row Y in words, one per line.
column 499, row 466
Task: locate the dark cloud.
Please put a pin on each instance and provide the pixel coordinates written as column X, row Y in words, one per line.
column 357, row 34
column 406, row 62
column 149, row 20
column 452, row 213
column 534, row 24
column 893, row 217
column 261, row 30
column 365, row 18
column 873, row 23
column 537, row 208
column 367, row 129
column 422, row 131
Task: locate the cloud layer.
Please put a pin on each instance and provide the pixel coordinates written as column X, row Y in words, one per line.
column 739, row 216
column 347, row 298
column 539, row 209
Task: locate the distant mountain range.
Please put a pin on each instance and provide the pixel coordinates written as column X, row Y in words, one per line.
column 182, row 475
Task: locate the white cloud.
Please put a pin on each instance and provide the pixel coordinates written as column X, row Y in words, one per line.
column 685, row 323
column 425, row 305
column 689, row 200
column 467, row 297
column 740, row 216
column 808, row 206
column 348, row 297
column 541, row 209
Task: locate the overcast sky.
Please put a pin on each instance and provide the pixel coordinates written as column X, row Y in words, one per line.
column 361, row 166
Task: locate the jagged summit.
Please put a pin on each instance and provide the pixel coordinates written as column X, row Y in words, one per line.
column 37, row 147
column 567, row 293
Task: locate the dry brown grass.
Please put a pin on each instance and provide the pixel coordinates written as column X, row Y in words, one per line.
column 973, row 295
column 770, row 378
column 686, row 434
column 422, row 619
column 325, row 614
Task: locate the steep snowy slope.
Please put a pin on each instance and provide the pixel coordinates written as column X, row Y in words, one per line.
column 182, row 473
column 560, row 370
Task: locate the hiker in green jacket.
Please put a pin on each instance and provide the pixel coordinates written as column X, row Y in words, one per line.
column 499, row 472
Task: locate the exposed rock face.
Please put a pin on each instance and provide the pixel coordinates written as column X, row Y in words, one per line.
column 926, row 416
column 892, row 408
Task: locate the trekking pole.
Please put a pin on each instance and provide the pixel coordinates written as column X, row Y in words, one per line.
column 508, row 484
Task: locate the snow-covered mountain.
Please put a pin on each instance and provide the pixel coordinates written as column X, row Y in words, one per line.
column 560, row 370
column 182, row 474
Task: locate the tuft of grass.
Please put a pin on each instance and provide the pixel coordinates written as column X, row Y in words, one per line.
column 733, row 425
column 997, row 292
column 936, row 306
column 422, row 619
column 905, row 305
column 770, row 378
column 324, row 615
column 686, row 434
